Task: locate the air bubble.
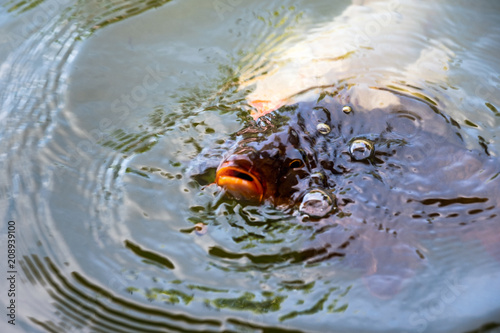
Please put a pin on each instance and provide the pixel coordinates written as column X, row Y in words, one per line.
column 361, row 149
column 316, row 204
column 347, row 109
column 323, row 128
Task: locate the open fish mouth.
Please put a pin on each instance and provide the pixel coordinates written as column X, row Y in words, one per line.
column 240, row 183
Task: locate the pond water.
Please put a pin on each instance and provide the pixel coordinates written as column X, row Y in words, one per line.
column 107, row 106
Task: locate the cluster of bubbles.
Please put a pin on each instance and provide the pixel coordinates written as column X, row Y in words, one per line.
column 317, row 203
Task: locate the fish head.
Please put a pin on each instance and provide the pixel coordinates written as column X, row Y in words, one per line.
column 275, row 158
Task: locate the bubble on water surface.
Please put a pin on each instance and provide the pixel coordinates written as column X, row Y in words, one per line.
column 323, row 128
column 361, row 149
column 347, row 109
column 316, row 204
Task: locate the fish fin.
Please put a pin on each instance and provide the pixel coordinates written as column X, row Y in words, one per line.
column 264, row 107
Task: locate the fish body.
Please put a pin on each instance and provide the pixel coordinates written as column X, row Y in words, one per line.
column 360, row 129
column 382, row 170
column 373, row 142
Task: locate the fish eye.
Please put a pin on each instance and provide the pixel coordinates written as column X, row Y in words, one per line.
column 296, row 164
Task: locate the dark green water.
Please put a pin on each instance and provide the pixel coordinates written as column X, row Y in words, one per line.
column 105, row 108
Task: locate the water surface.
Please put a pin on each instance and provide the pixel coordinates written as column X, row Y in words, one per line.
column 106, row 107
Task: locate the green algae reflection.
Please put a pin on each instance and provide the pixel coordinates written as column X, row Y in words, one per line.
column 248, row 302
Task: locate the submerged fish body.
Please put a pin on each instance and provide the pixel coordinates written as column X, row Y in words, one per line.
column 368, row 146
column 360, row 131
column 382, row 169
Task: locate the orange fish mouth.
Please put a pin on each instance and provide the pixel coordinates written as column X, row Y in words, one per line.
column 240, row 183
